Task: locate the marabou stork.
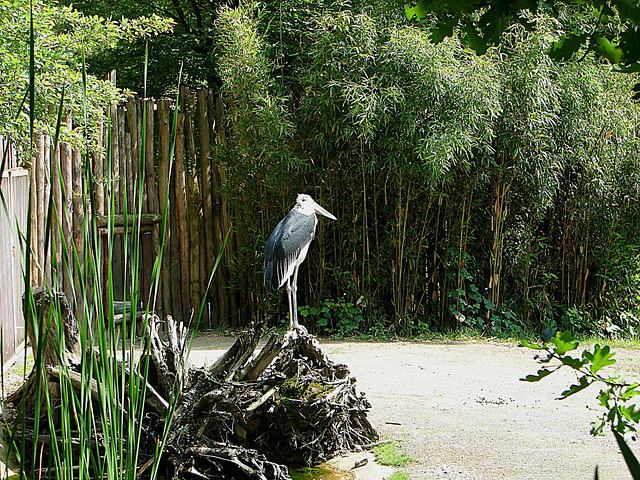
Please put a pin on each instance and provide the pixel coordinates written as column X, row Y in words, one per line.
column 287, row 248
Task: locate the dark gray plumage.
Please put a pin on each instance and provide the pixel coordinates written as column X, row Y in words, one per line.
column 287, row 248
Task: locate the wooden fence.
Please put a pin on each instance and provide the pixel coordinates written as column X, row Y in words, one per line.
column 15, row 193
column 136, row 137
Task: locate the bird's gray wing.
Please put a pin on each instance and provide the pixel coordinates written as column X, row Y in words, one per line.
column 290, row 236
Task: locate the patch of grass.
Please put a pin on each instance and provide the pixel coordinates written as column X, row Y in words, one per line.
column 399, row 476
column 391, row 454
column 309, row 473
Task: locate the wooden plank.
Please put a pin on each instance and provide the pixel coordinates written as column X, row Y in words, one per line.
column 146, row 219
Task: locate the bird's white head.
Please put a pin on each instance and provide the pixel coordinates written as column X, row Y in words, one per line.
column 307, row 205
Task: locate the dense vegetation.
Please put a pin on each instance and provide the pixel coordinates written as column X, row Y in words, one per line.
column 497, row 192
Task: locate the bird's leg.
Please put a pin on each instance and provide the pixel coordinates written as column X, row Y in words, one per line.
column 294, row 296
column 291, row 302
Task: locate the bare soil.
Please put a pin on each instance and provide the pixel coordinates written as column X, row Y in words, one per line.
column 460, row 410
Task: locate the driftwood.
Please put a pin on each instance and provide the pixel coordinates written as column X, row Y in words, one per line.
column 251, row 415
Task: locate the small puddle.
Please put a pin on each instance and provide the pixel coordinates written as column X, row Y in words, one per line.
column 321, row 472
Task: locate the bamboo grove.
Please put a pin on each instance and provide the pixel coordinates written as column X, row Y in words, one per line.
column 495, row 192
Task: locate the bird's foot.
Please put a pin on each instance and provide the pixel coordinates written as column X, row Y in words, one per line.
column 295, row 330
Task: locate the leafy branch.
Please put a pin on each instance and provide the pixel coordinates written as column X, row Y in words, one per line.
column 621, row 415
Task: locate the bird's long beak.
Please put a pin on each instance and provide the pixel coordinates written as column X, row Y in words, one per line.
column 318, row 209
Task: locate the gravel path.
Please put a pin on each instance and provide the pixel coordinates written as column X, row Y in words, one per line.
column 461, row 411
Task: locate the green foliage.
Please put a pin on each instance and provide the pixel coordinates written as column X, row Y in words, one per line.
column 611, row 26
column 621, row 413
column 492, row 192
column 63, row 37
column 335, row 317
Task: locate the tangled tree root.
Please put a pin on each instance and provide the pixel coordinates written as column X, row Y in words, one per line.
column 248, row 416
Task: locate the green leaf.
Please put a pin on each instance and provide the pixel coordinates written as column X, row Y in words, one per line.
column 471, row 37
column 415, row 12
column 564, row 48
column 630, row 392
column 604, row 398
column 543, row 372
column 533, row 346
column 631, row 413
column 597, row 427
column 489, row 305
column 564, row 342
column 575, row 363
column 443, row 29
column 612, row 52
column 582, row 384
column 629, row 457
column 601, row 357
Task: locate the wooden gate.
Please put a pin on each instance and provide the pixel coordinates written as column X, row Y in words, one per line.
column 13, row 221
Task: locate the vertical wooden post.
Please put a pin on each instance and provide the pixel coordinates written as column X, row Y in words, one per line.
column 182, row 218
column 122, row 159
column 220, row 286
column 163, row 193
column 115, row 150
column 99, row 171
column 194, row 208
column 78, row 223
column 56, row 222
column 66, row 170
column 33, row 200
column 134, row 150
column 41, row 205
column 149, row 178
column 205, row 182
